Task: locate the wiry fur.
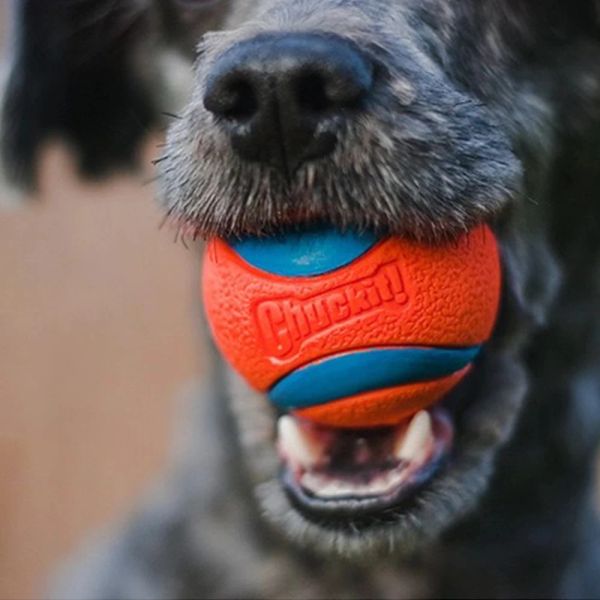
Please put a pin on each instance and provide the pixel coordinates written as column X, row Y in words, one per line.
column 484, row 110
column 415, row 126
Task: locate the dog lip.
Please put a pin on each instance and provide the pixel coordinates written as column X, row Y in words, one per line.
column 337, row 511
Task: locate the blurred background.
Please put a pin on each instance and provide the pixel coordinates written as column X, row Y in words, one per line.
column 97, row 340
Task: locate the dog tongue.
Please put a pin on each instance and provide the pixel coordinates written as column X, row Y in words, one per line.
column 353, row 451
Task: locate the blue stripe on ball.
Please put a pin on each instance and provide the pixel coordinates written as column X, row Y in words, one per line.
column 365, row 371
column 306, row 253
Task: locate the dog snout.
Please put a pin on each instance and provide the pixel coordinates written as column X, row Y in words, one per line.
column 283, row 98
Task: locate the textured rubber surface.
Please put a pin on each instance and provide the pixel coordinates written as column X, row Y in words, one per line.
column 382, row 407
column 304, row 254
column 362, row 371
column 399, row 293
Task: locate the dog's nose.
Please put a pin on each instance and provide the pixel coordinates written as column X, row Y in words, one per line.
column 284, row 98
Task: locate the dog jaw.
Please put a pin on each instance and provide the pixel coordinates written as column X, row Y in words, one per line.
column 450, row 495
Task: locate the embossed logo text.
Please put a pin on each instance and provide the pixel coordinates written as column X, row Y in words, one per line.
column 285, row 324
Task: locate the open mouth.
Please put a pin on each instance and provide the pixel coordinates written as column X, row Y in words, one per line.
column 334, row 473
column 360, row 352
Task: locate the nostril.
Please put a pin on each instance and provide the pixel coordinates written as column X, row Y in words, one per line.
column 283, row 99
column 233, row 98
column 329, row 91
column 243, row 104
column 311, row 94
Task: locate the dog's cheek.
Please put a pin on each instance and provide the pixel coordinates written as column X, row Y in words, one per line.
column 255, row 426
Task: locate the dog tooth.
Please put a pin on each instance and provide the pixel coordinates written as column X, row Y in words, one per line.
column 327, row 487
column 334, row 490
column 296, row 443
column 339, row 489
column 416, row 438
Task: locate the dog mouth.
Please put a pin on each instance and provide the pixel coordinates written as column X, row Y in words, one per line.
column 365, row 429
column 363, row 433
column 333, row 473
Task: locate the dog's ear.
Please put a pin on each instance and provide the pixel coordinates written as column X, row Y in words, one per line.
column 79, row 71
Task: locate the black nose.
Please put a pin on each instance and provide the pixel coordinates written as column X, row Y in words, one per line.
column 284, row 97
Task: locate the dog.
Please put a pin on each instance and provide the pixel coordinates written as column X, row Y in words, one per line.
column 416, row 118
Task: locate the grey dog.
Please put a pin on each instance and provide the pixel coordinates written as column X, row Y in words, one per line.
column 418, row 118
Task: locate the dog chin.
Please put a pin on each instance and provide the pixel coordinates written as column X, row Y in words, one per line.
column 393, row 489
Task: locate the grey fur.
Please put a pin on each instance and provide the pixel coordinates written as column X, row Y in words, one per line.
column 425, row 138
column 490, row 111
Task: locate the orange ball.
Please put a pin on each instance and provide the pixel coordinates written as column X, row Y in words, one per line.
column 352, row 332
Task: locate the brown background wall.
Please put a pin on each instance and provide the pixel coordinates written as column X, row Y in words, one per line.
column 96, row 339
